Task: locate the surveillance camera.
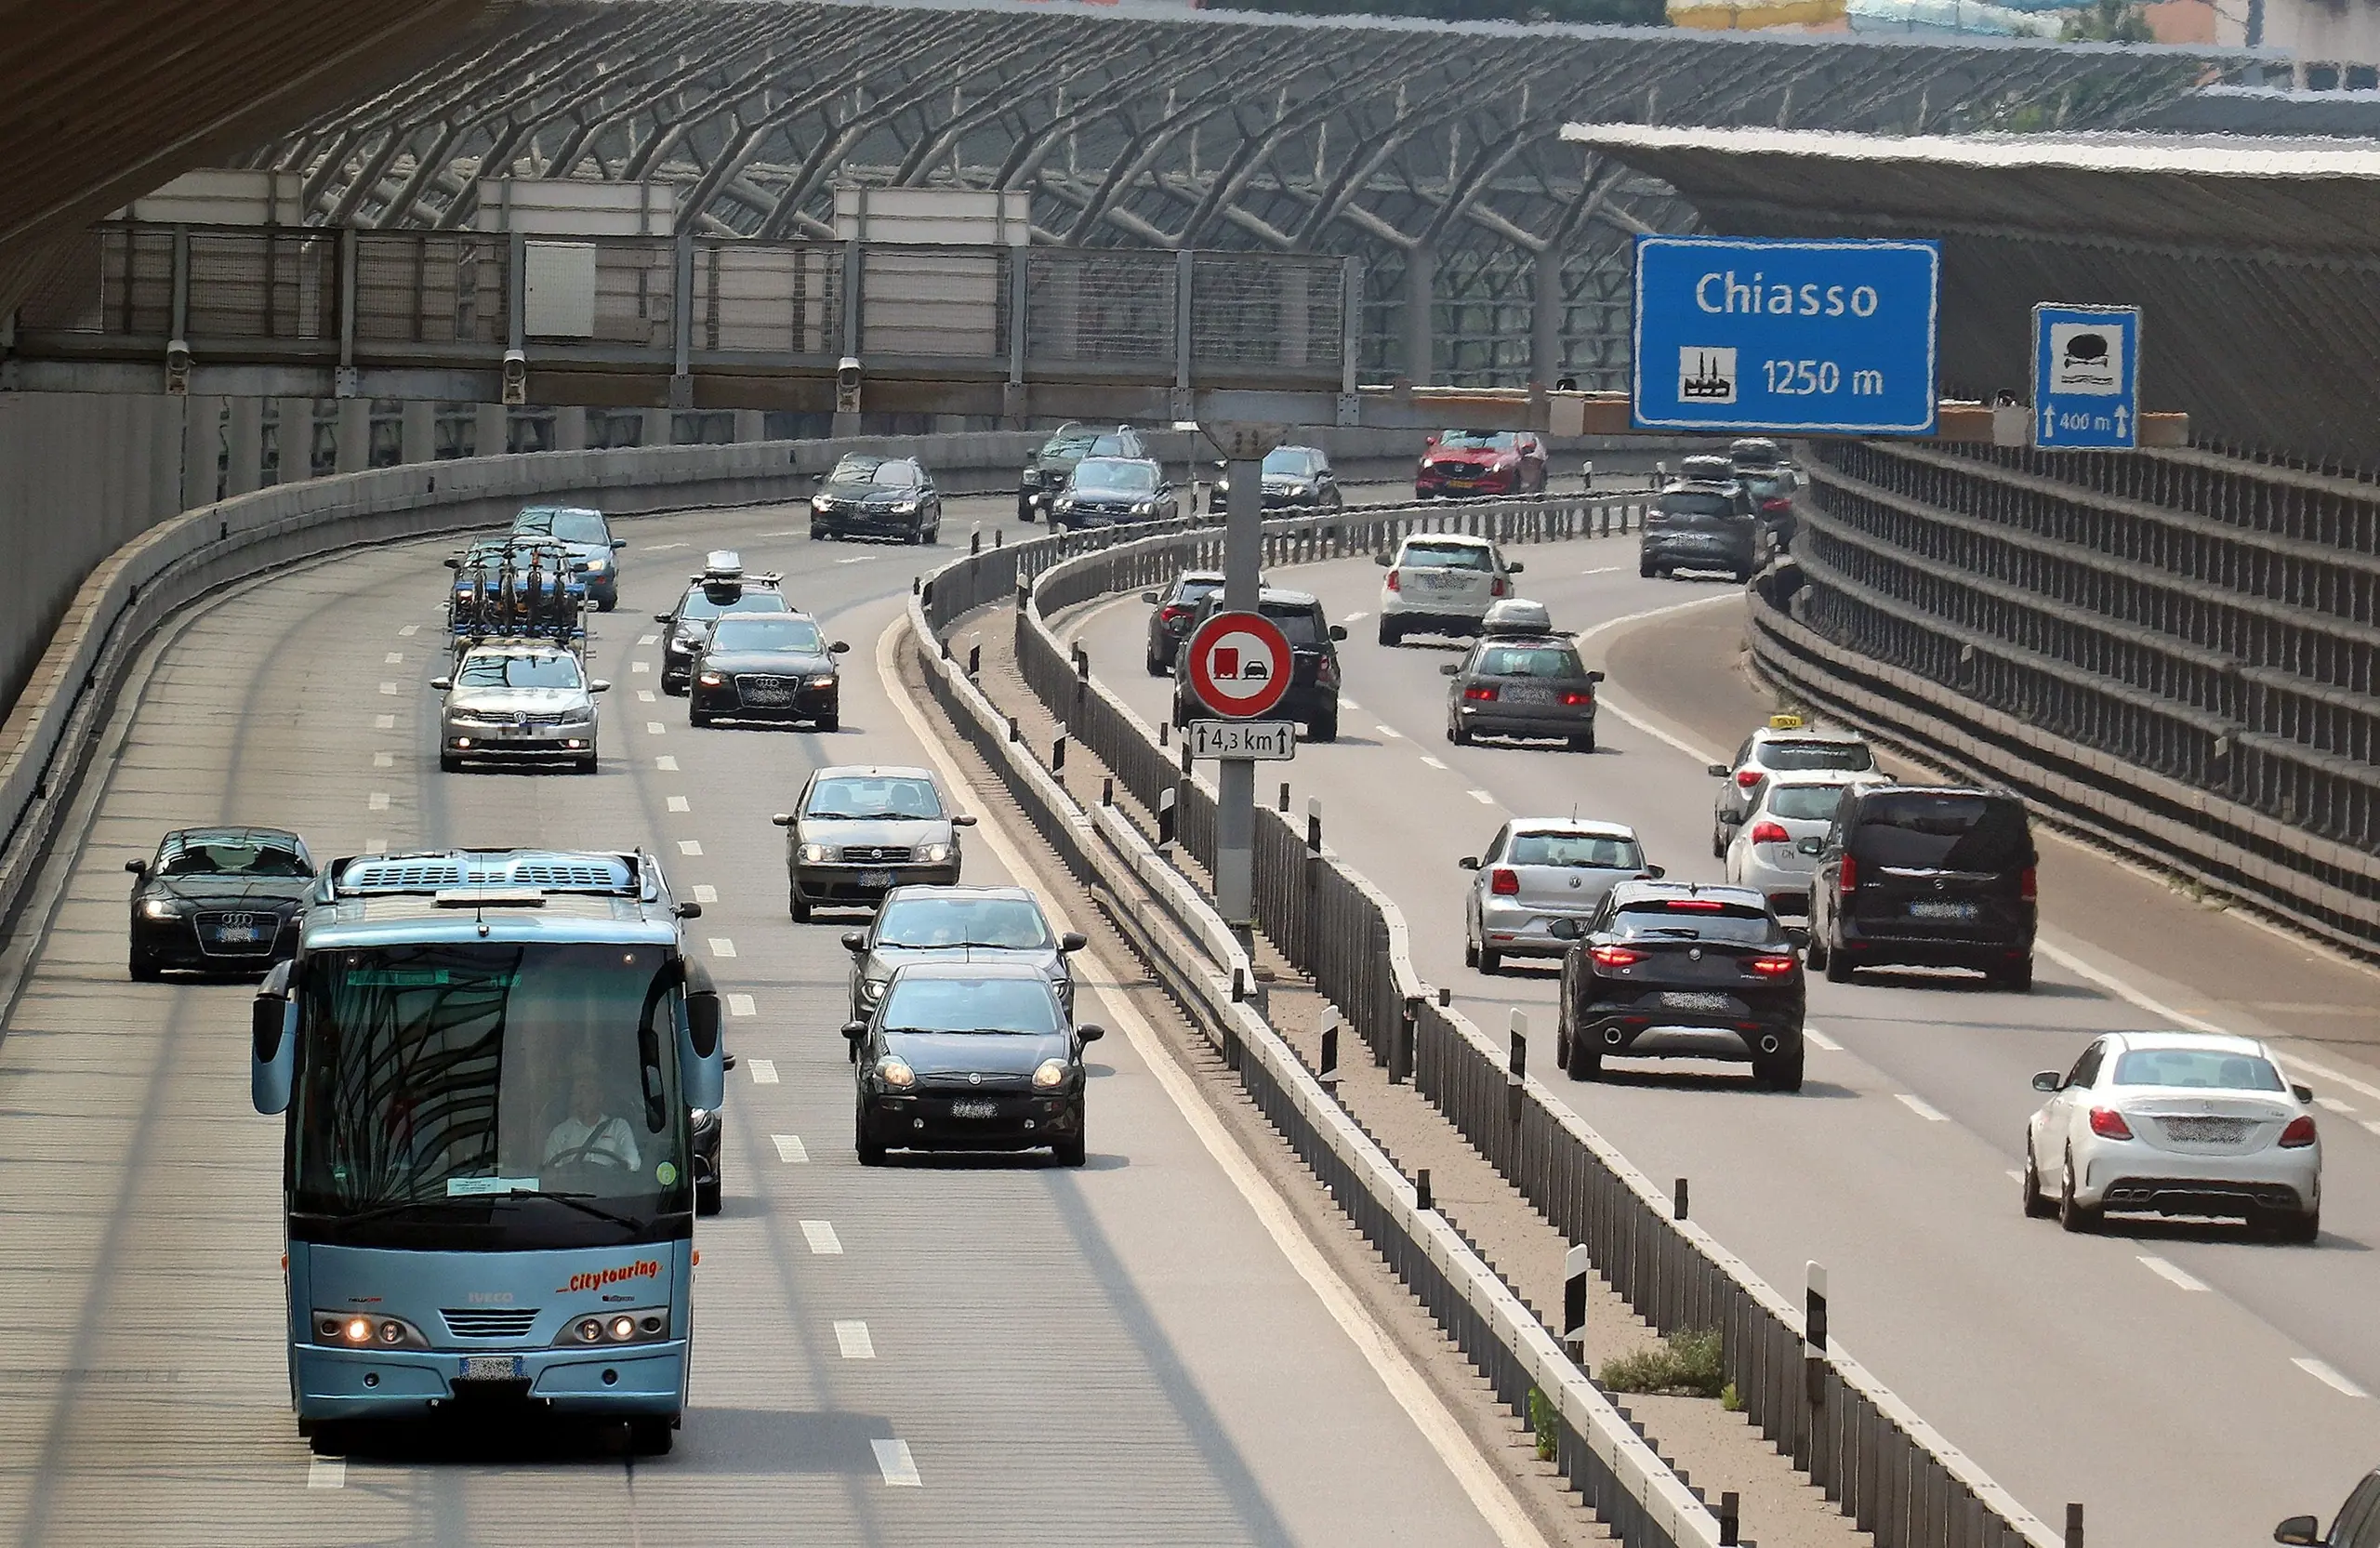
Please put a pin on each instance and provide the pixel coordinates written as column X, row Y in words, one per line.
column 847, row 379
column 177, row 364
column 516, row 378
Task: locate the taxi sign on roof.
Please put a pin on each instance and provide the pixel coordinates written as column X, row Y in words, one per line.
column 1784, row 722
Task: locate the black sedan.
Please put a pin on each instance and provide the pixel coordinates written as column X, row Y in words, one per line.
column 1172, row 612
column 969, row 1056
column 878, row 496
column 767, row 667
column 1668, row 968
column 218, row 900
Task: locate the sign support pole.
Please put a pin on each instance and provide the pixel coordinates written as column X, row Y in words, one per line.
column 1236, row 777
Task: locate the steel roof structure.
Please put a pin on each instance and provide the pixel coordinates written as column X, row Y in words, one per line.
column 1431, row 150
column 2255, row 261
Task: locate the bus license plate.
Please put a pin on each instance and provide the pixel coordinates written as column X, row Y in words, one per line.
column 491, row 1367
column 974, row 1109
column 876, row 879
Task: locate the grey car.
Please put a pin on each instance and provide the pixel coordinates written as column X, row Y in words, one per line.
column 1537, row 870
column 525, row 701
column 1532, row 687
column 1699, row 525
column 861, row 830
column 956, row 924
column 1115, row 491
column 589, row 537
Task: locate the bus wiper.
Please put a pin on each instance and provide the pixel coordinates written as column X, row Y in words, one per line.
column 377, row 1212
column 576, row 1200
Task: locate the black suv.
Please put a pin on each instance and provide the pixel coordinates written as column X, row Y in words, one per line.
column 1680, row 970
column 1704, row 525
column 1933, row 875
column 1314, row 686
column 1046, row 471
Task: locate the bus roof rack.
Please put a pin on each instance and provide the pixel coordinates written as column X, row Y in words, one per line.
column 493, row 875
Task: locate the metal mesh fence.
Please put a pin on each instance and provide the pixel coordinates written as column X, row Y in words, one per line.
column 1099, row 306
column 420, row 289
column 1266, row 311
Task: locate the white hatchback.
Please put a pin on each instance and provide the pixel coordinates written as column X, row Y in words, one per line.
column 1764, row 852
column 1441, row 583
column 2175, row 1123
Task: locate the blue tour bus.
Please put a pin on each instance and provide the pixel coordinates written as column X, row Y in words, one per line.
column 486, row 1058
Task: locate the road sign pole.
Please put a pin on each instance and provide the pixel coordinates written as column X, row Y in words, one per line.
column 1236, row 777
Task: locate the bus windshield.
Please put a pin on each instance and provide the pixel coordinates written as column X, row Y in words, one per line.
column 448, row 1092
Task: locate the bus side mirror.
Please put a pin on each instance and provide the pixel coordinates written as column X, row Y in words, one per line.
column 702, row 1023
column 272, row 1022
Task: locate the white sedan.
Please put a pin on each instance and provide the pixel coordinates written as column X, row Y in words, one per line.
column 2176, row 1123
column 1765, row 852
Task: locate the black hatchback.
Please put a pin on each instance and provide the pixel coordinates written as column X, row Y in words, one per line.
column 1314, row 648
column 1676, row 969
column 1930, row 876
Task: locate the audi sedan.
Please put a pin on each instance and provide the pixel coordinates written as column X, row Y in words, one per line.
column 767, row 667
column 1666, row 968
column 860, row 831
column 218, row 900
column 970, row 1057
column 2175, row 1123
column 957, row 924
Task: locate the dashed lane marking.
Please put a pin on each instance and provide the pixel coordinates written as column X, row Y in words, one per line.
column 666, row 764
column 705, row 893
column 409, row 631
column 383, row 760
column 640, row 667
column 791, row 1149
column 721, row 946
column 384, row 722
column 2169, row 1273
column 1346, row 703
column 855, row 559
column 394, row 658
column 1390, row 732
column 654, row 728
column 2373, row 1125
column 389, row 689
column 1605, row 570
column 741, row 1005
column 646, row 695
column 1357, row 616
column 1432, row 761
column 822, row 1239
column 1482, row 797
column 1816, row 1038
column 854, row 1341
column 648, row 638
column 327, row 1473
column 376, row 801
column 1921, row 1108
column 689, row 846
column 2332, row 1105
column 893, row 1461
column 679, row 803
column 662, row 548
column 764, row 1071
column 2327, row 1376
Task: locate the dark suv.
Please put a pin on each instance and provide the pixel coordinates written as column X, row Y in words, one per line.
column 1314, row 687
column 1046, row 471
column 1935, row 875
column 1704, row 525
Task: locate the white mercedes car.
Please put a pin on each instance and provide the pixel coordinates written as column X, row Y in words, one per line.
column 2175, row 1123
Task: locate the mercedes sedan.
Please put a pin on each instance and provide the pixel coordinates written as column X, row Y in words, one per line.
column 218, row 900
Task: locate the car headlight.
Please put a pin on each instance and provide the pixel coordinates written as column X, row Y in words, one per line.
column 895, row 1072
column 1050, row 1072
column 363, row 1331
column 934, row 854
column 823, row 680
column 164, row 909
column 1065, row 502
column 713, row 679
column 821, row 504
column 872, row 989
column 905, row 508
column 1301, row 490
column 1147, row 508
column 598, row 564
column 814, row 854
column 646, row 1326
column 1030, row 477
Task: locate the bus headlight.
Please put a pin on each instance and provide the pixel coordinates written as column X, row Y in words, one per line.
column 635, row 1327
column 359, row 1331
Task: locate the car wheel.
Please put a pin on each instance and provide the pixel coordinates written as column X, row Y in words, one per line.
column 449, row 763
column 651, row 1435
column 1390, row 634
column 587, row 764
column 1584, row 741
column 606, row 604
column 1459, row 733
column 1814, row 947
column 831, row 722
column 1838, row 965
column 1742, row 576
column 1071, row 1153
column 1024, row 508
column 2073, row 1216
column 329, row 1437
column 871, row 1154
column 1156, row 668
column 1781, row 1072
column 1644, row 569
column 707, row 1194
column 1586, row 1060
column 2301, row 1228
column 2017, row 980
column 697, row 717
column 1323, row 728
column 816, row 533
column 1470, row 953
column 1490, row 961
column 798, row 906
column 2036, row 1203
column 142, row 967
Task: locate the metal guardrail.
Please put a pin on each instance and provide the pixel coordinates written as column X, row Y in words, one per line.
column 1887, row 1470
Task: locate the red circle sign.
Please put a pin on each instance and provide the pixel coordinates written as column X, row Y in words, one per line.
column 1240, row 664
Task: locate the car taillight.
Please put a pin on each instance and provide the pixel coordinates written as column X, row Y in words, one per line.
column 1504, row 883
column 1480, row 693
column 1573, row 698
column 2300, row 1132
column 1771, row 833
column 1394, row 584
column 1615, row 957
column 1776, row 505
column 1747, row 778
column 2109, row 1124
column 1326, row 674
column 1850, row 873
column 1496, row 587
column 1174, row 614
column 1771, row 967
column 2026, row 887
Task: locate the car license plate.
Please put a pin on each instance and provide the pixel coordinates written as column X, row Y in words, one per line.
column 768, row 695
column 974, row 1109
column 1528, row 695
column 1941, row 910
column 491, row 1367
column 241, row 933
column 1685, row 1000
column 876, row 879
column 1438, row 583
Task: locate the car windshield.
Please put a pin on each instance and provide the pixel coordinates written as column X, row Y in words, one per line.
column 1593, row 851
column 1013, row 924
column 1474, row 441
column 1796, row 756
column 1300, row 625
column 1113, row 476
column 571, row 526
column 766, row 634
column 1803, row 802
column 1115, row 445
column 1766, row 486
column 1290, row 462
column 2203, row 1068
column 233, row 857
column 449, row 1076
column 1530, row 661
column 861, row 481
column 491, row 670
column 1444, row 556
column 1695, row 919
column 1072, row 440
column 1942, row 830
column 1692, row 503
column 1006, row 1005
column 700, row 604
column 858, row 796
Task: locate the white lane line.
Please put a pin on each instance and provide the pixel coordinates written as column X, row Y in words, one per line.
column 689, row 846
column 705, row 893
column 1390, row 732
column 822, row 1238
column 383, row 760
column 1346, row 703
column 893, row 1461
column 384, row 722
column 668, row 764
column 721, row 946
column 678, row 803
column 1432, row 761
column 1605, row 570
column 741, row 1005
column 327, row 1473
column 654, row 728
column 855, row 559
column 646, row 695
column 2328, row 1377
column 409, row 630
column 376, row 801
column 1923, row 1109
column 1482, row 797
column 394, row 658
column 1355, row 617
column 662, row 548
column 2014, row 1176
column 2168, row 1273
column 389, row 689
column 764, row 1071
column 789, row 532
column 648, row 638
column 854, row 1341
column 2332, row 1105
column 640, row 667
column 791, row 1149
column 1816, row 1038
column 2372, row 1124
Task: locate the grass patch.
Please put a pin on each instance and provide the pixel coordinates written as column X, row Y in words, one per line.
column 1686, row 1364
column 1545, row 1422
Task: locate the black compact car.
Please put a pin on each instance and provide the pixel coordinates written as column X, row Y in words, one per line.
column 1314, row 645
column 1703, row 526
column 1296, row 477
column 1172, row 611
column 1532, row 687
column 877, row 497
column 218, row 900
column 1677, row 969
column 1931, row 876
column 721, row 590
column 767, row 667
column 1046, row 471
column 969, row 1056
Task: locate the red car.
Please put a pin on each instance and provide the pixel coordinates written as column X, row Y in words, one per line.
column 1465, row 464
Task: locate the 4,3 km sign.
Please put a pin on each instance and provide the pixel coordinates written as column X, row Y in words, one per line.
column 1810, row 336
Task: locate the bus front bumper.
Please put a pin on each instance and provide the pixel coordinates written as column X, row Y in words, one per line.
column 410, row 1383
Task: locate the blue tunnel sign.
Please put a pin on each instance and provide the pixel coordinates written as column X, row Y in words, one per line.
column 2086, row 376
column 1784, row 334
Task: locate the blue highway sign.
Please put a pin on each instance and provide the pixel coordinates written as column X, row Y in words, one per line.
column 2086, row 376
column 1813, row 337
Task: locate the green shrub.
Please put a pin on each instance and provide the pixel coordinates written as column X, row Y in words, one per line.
column 1546, row 1422
column 1686, row 1364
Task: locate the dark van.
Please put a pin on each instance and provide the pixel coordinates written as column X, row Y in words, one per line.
column 1933, row 876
